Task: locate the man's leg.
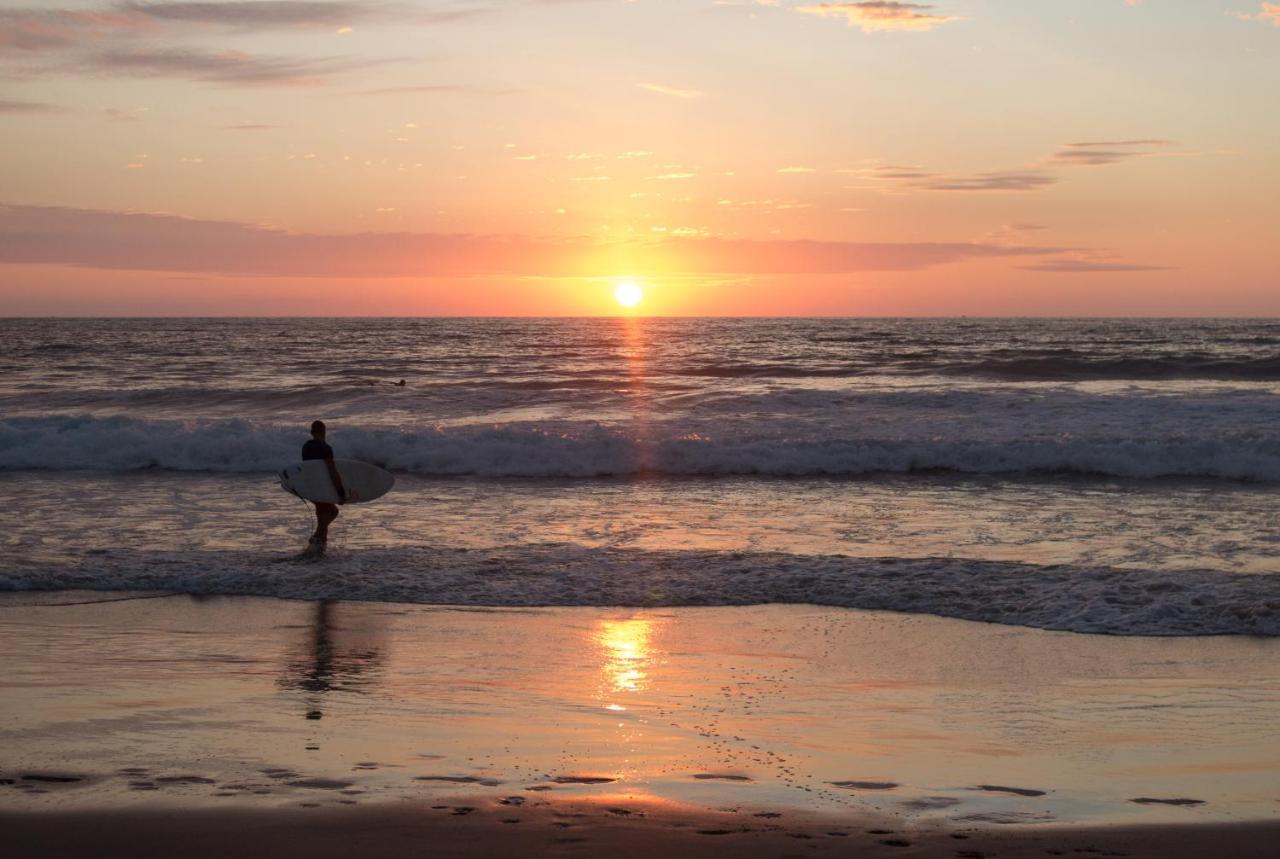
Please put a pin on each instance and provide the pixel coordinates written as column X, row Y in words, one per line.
column 325, row 514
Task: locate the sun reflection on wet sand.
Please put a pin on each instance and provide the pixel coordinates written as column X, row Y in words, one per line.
column 625, row 655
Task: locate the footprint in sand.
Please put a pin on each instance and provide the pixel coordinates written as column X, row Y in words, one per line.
column 319, row 783
column 1148, row 800
column 865, row 785
column 1016, row 791
column 460, row 779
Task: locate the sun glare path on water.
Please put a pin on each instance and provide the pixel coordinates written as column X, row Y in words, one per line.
column 628, row 293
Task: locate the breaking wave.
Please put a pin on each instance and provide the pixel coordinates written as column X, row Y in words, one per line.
column 583, row 450
column 1071, row 598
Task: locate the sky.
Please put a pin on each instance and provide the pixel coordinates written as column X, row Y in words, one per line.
column 730, row 157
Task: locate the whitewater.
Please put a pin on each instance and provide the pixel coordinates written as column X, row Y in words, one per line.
column 967, row 468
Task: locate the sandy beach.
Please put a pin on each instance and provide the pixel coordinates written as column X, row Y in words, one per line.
column 147, row 724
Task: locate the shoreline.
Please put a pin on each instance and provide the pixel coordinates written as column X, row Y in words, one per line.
column 216, row 702
column 622, row 828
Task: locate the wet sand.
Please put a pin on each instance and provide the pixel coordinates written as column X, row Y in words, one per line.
column 238, row 725
column 580, row 829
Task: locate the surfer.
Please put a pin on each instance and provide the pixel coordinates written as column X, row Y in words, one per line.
column 316, row 448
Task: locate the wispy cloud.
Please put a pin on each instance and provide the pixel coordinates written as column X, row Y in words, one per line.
column 435, row 89
column 31, row 30
column 259, row 13
column 677, row 92
column 876, row 15
column 996, row 181
column 155, row 242
column 1088, row 265
column 7, row 106
column 230, row 68
column 1268, row 12
column 909, row 178
column 1096, row 153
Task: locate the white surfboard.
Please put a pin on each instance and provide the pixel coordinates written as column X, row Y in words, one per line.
column 310, row 481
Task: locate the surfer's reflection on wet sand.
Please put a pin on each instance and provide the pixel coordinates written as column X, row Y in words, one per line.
column 336, row 659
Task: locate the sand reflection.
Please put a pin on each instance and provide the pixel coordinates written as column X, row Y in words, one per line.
column 336, row 658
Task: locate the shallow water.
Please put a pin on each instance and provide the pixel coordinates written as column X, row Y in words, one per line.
column 1076, row 556
column 189, row 702
column 1093, row 475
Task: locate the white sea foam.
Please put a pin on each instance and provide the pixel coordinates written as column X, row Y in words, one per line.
column 1073, row 598
column 584, row 449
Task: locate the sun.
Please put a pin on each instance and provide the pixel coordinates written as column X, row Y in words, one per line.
column 628, row 293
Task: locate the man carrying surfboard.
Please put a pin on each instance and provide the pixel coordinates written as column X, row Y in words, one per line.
column 316, row 448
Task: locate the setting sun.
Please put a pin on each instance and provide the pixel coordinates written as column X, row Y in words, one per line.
column 628, row 293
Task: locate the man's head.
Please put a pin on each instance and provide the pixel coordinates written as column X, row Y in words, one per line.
column 317, row 429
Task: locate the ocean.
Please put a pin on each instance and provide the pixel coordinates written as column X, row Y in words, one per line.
column 1109, row 476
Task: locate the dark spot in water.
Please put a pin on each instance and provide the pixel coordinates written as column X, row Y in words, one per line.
column 865, row 785
column 52, row 778
column 310, row 805
column 184, row 779
column 569, row 840
column 801, row 835
column 768, row 814
column 715, row 831
column 622, row 812
column 971, row 854
column 512, row 820
column 928, row 803
column 461, row 810
column 142, row 785
column 1017, row 791
column 895, row 842
column 879, row 831
column 512, row 800
column 721, row 777
column 540, row 787
column 460, row 779
column 134, row 771
column 838, row 834
column 1148, row 800
column 582, row 779
column 320, row 783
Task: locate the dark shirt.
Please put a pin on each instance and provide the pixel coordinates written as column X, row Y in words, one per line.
column 316, row 449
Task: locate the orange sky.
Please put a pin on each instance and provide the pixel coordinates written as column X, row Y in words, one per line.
column 756, row 157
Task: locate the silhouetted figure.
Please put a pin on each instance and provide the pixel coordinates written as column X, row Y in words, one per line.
column 316, row 448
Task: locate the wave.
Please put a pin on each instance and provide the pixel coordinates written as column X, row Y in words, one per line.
column 1071, row 598
column 1036, row 365
column 582, row 450
column 1168, row 367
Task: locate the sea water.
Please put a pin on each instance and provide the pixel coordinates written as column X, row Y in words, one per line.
column 1111, row 476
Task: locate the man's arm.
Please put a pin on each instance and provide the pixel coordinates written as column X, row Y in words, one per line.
column 337, row 479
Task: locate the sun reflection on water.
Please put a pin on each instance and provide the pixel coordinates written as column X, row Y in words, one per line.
column 626, row 654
